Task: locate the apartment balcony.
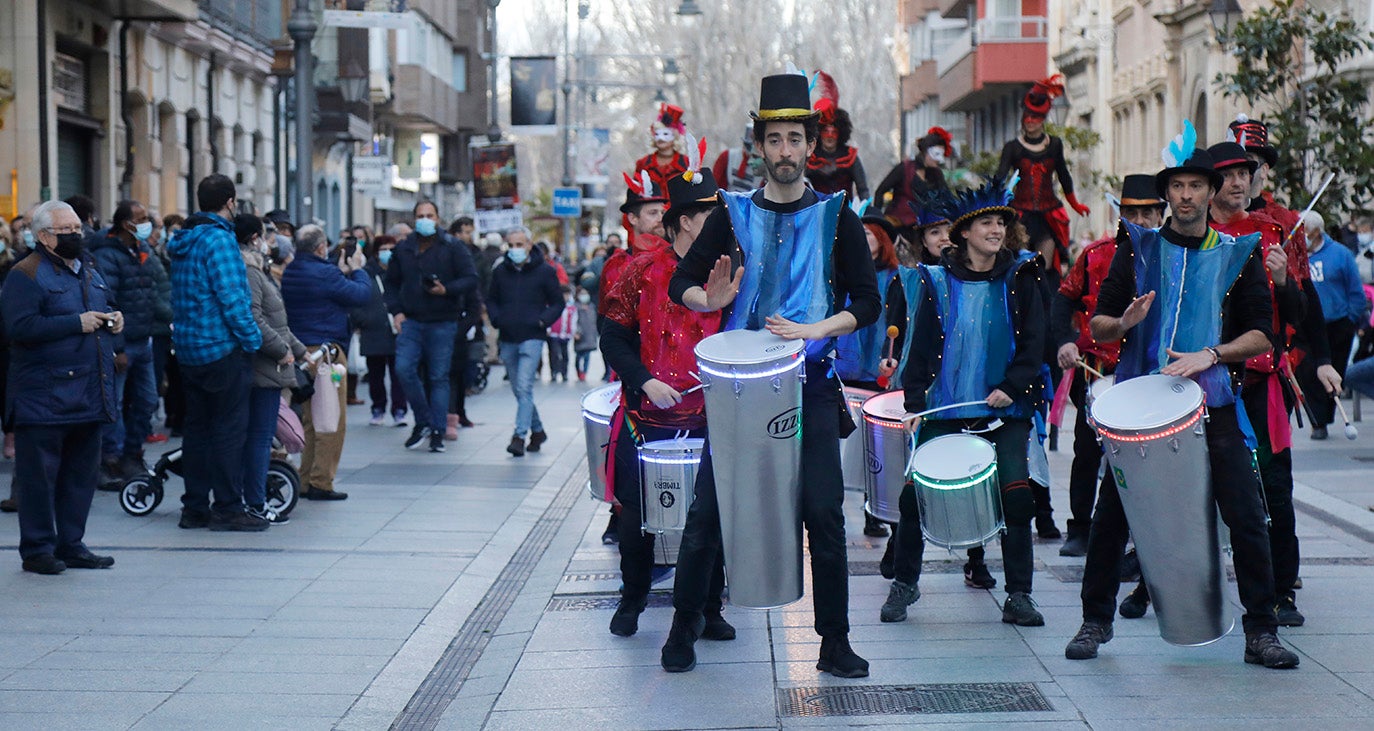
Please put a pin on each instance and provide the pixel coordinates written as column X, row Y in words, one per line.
column 920, row 85
column 163, row 10
column 912, row 11
column 422, row 100
column 995, row 56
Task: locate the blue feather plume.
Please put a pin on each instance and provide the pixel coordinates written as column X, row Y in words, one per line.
column 996, row 193
column 1181, row 147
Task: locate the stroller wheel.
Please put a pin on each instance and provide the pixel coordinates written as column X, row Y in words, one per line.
column 479, row 382
column 283, row 486
column 140, row 496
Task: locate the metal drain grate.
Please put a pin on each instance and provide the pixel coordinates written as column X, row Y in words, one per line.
column 591, row 576
column 882, row 700
column 590, row 602
column 870, row 568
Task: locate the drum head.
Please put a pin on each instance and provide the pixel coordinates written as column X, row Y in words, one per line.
column 602, row 401
column 953, row 457
column 744, row 347
column 1100, row 386
column 1147, row 402
column 886, row 406
column 687, row 451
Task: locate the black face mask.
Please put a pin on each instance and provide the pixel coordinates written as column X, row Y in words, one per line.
column 69, row 246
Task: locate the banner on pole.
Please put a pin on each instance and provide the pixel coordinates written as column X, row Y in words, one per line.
column 593, row 156
column 534, row 94
column 495, row 183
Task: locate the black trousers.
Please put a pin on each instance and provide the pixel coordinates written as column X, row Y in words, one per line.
column 1238, row 498
column 55, row 473
column 215, row 429
column 822, row 514
column 458, row 375
column 636, row 546
column 1341, row 335
column 1276, row 475
column 1018, row 505
column 1087, row 459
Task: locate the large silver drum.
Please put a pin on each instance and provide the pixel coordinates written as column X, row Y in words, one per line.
column 1153, row 430
column 957, row 490
column 598, row 407
column 667, row 482
column 853, row 464
column 886, row 450
column 753, row 388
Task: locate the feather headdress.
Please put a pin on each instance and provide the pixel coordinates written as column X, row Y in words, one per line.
column 696, row 153
column 1181, row 147
column 993, row 197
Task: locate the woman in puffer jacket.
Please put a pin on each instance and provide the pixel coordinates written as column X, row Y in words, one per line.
column 273, row 365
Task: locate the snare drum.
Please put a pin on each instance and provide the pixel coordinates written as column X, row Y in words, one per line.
column 667, row 482
column 886, row 452
column 1153, row 430
column 957, row 489
column 598, row 407
column 852, row 462
column 752, row 380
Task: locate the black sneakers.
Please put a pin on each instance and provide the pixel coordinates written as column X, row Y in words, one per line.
column 840, row 660
column 269, row 515
column 1264, row 648
column 1084, row 645
column 611, row 535
column 84, row 559
column 874, row 528
column 1044, row 526
column 44, row 563
column 625, row 621
column 1288, row 613
column 436, row 443
column 717, row 628
column 1135, row 603
column 537, row 438
column 516, row 446
column 241, row 522
column 677, row 655
column 899, row 597
column 1020, row 610
column 1076, row 544
column 417, row 437
column 192, row 519
column 976, row 575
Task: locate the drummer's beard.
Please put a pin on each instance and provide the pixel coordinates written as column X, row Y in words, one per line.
column 784, row 172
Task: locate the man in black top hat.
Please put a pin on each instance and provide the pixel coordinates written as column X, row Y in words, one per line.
column 708, row 280
column 1208, row 350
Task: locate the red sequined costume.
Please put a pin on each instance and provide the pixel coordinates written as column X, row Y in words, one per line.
column 661, row 172
column 1081, row 287
column 619, row 259
column 668, row 333
column 1042, row 213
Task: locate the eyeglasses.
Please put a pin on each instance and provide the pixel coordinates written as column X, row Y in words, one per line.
column 69, row 230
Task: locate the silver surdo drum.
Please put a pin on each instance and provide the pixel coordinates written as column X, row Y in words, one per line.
column 1153, row 431
column 957, row 490
column 667, row 482
column 753, row 388
column 886, row 451
column 598, row 407
column 852, row 462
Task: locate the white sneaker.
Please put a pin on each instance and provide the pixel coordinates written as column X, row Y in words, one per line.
column 269, row 515
column 377, row 420
column 399, row 420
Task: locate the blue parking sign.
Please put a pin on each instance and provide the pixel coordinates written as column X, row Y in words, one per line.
column 567, row 202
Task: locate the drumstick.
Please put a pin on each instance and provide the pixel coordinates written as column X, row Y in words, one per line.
column 1350, row 431
column 693, row 388
column 1084, row 365
column 1302, row 399
column 891, row 340
column 951, row 406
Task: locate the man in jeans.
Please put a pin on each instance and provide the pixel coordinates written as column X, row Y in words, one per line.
column 318, row 294
column 424, row 285
column 523, row 301
column 139, row 287
column 214, row 332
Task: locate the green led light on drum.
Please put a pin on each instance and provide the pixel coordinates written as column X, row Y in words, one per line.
column 749, row 376
column 977, row 479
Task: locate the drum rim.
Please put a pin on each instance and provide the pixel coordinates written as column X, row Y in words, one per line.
column 953, row 484
column 791, row 348
column 1151, row 434
column 1163, row 423
column 613, row 388
column 650, row 452
column 888, row 396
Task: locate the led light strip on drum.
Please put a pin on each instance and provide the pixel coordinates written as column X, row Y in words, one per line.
column 1190, row 423
column 669, row 460
column 792, row 365
column 987, row 472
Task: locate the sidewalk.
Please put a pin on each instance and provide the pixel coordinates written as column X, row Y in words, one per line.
column 470, row 589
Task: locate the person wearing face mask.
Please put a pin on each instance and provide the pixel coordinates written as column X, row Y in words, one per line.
column 835, row 167
column 915, row 180
column 377, row 338
column 524, row 299
column 140, row 288
column 1344, row 307
column 587, row 340
column 667, row 158
column 57, row 315
column 426, row 283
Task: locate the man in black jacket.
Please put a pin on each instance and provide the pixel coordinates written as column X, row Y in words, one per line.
column 139, row 288
column 425, row 281
column 523, row 301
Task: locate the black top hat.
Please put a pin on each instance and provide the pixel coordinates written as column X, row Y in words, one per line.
column 641, row 191
column 686, row 195
column 1139, row 190
column 1230, row 155
column 784, row 98
column 1198, row 163
column 881, row 222
column 1253, row 135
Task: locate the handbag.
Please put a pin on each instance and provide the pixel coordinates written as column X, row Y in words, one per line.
column 304, row 388
column 289, row 429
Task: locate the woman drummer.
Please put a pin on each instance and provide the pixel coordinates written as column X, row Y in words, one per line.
column 903, row 297
column 981, row 313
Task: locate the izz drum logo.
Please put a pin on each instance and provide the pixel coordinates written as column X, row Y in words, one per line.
column 785, row 425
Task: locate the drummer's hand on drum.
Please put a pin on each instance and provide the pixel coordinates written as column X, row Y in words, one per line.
column 785, row 328
column 1187, row 365
column 886, row 367
column 721, row 288
column 661, row 394
column 998, row 399
column 1136, row 311
column 1068, row 355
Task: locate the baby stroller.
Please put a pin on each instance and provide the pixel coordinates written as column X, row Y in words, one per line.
column 143, row 493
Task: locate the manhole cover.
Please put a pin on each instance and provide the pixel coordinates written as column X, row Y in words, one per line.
column 592, row 602
column 875, row 700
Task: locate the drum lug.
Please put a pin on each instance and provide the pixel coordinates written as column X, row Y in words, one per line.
column 1114, row 447
column 1174, row 445
column 739, row 387
column 1141, row 447
column 777, row 383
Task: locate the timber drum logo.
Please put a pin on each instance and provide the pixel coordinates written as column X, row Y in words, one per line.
column 666, row 498
column 785, row 425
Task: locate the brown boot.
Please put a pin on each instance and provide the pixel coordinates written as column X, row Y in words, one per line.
column 451, row 430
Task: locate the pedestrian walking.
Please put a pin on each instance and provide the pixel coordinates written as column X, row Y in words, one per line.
column 377, row 338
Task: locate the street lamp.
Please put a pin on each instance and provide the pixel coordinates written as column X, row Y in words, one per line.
column 1224, row 15
column 671, row 72
column 353, row 82
column 660, row 98
column 689, row 10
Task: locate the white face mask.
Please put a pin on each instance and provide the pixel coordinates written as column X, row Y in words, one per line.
column 937, row 155
column 1365, row 237
column 664, row 134
column 584, row 298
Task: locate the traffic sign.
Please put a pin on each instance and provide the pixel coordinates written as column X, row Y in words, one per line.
column 567, row 202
